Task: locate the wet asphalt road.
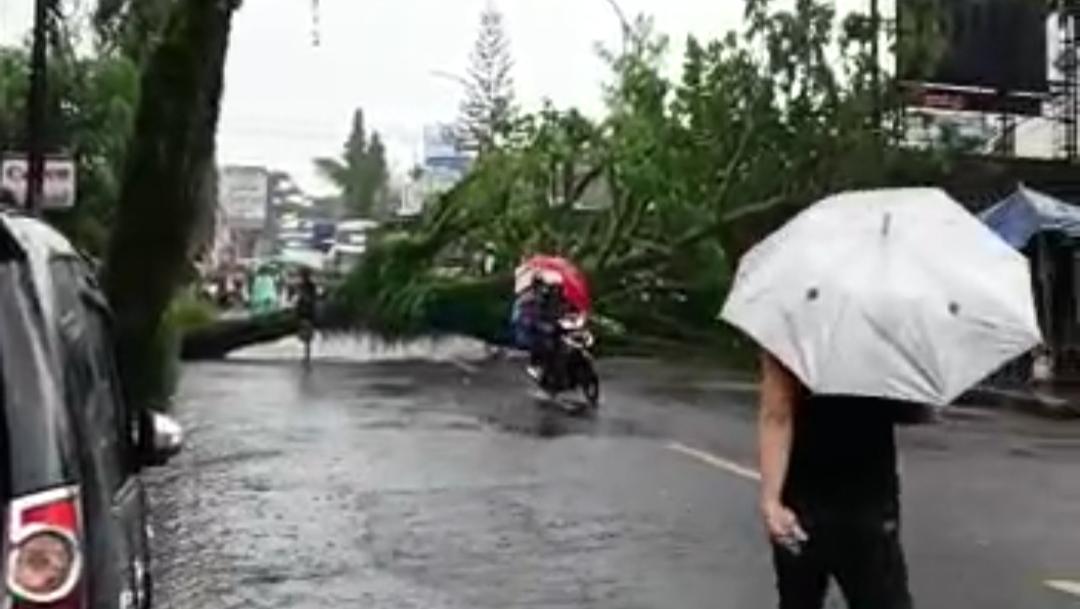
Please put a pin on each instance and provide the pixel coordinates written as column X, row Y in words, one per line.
column 411, row 483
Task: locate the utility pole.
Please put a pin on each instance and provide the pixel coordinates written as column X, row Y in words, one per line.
column 35, row 127
column 875, row 51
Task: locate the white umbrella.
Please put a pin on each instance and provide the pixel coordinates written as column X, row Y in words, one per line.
column 889, row 293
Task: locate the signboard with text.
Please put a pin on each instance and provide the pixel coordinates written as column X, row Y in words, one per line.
column 440, row 142
column 244, row 195
column 59, row 184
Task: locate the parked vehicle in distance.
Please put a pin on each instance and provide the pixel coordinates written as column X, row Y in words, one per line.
column 76, row 532
column 349, row 245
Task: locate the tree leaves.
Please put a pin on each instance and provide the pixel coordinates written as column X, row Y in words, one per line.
column 692, row 169
column 361, row 174
column 487, row 114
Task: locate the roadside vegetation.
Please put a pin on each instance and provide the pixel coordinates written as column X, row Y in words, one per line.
column 134, row 88
column 658, row 197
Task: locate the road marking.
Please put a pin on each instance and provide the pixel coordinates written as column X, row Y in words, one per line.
column 1064, row 585
column 465, row 367
column 1061, row 585
column 719, row 462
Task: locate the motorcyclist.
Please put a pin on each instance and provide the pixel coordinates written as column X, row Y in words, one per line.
column 550, row 307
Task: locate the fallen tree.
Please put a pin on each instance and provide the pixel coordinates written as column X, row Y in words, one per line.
column 658, row 199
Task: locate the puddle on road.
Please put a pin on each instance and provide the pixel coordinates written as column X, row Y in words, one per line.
column 545, row 421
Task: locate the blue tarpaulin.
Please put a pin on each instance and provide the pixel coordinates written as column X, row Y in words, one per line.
column 1025, row 213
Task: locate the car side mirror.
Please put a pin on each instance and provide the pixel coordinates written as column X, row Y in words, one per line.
column 163, row 441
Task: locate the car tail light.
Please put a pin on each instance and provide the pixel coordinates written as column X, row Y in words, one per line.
column 44, row 554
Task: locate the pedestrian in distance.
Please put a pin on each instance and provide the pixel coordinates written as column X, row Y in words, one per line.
column 306, row 310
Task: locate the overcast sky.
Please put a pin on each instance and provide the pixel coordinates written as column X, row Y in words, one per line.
column 287, row 101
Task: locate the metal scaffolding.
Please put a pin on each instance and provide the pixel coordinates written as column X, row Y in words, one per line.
column 1066, row 93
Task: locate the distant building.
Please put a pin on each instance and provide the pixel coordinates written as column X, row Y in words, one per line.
column 443, row 165
column 243, row 210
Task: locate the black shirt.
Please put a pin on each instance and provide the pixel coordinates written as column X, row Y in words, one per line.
column 843, row 455
column 306, row 299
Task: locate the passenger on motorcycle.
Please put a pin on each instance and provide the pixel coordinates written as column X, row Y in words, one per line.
column 536, row 318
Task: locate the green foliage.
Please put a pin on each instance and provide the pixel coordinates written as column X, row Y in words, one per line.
column 91, row 106
column 188, row 312
column 143, row 210
column 488, row 112
column 163, row 199
column 131, row 28
column 657, row 200
column 361, row 173
column 162, row 368
column 921, row 37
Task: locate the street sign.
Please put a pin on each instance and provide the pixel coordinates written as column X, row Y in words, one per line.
column 59, row 184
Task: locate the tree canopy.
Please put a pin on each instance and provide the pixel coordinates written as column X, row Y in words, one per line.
column 361, row 173
column 91, row 107
column 488, row 111
column 659, row 197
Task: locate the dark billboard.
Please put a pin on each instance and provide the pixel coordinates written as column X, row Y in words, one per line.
column 991, row 44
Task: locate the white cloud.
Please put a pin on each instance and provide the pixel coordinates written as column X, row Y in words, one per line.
column 287, row 101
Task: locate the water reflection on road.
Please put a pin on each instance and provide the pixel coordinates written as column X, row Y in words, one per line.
column 426, row 475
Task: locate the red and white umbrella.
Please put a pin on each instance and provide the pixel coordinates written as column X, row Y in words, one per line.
column 556, row 271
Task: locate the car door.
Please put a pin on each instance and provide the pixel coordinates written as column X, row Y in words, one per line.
column 113, row 496
column 118, row 459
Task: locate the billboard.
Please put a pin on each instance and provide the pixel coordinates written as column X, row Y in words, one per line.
column 999, row 45
column 442, row 148
column 244, row 196
column 59, row 183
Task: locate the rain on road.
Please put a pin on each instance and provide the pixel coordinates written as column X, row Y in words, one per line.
column 409, row 481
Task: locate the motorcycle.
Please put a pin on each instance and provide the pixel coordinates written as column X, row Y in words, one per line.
column 568, row 362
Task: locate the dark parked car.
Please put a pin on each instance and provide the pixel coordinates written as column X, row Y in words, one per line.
column 75, row 529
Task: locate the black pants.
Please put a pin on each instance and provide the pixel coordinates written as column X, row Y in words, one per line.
column 862, row 553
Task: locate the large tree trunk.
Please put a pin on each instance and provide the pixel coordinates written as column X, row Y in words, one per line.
column 217, row 340
column 162, row 198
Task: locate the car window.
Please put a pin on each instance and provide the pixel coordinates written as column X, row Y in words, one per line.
column 114, row 413
column 89, row 374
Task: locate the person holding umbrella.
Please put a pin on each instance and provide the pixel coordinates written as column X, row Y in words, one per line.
column 830, row 494
column 863, row 305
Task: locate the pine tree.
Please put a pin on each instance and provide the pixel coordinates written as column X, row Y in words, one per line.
column 488, row 110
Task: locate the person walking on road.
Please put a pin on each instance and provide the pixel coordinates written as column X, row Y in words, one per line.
column 867, row 306
column 307, row 298
column 830, row 494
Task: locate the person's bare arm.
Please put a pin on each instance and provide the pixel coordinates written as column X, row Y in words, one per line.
column 779, row 391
